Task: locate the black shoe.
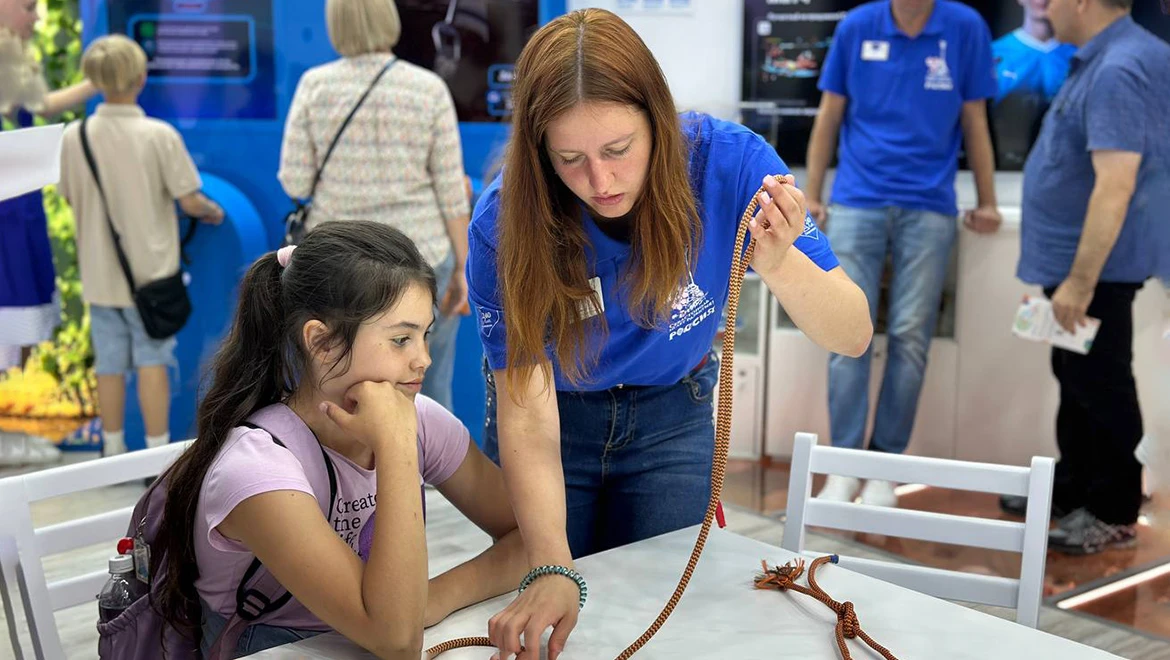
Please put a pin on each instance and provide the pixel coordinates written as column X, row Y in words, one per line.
column 1017, row 505
column 1082, row 533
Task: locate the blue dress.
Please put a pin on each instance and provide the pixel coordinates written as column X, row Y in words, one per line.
column 27, row 279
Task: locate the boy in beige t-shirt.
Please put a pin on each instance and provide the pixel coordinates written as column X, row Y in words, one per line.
column 144, row 168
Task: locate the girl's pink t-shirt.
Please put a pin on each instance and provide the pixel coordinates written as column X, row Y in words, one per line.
column 250, row 463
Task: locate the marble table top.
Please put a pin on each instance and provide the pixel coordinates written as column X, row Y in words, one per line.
column 722, row 615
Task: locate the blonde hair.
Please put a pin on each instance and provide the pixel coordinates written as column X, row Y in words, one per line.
column 358, row 27
column 21, row 84
column 114, row 64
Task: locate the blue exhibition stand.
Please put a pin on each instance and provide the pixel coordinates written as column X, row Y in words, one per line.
column 235, row 139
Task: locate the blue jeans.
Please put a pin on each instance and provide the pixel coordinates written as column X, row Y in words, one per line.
column 919, row 243
column 437, row 384
column 255, row 638
column 636, row 460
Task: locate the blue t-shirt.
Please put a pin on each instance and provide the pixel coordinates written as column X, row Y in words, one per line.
column 728, row 163
column 1025, row 65
column 1115, row 99
column 901, row 132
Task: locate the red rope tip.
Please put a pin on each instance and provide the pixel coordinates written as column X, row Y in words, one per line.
column 719, row 517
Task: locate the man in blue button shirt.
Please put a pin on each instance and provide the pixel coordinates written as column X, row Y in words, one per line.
column 1096, row 210
column 904, row 82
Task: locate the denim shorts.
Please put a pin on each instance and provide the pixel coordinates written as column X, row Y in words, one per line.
column 120, row 342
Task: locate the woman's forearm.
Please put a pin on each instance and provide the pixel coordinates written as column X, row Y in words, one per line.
column 536, row 487
column 826, row 305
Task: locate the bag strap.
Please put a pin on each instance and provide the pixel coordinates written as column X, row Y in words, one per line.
column 93, row 168
column 266, row 595
column 344, row 124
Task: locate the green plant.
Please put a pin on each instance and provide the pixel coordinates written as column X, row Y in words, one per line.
column 69, row 357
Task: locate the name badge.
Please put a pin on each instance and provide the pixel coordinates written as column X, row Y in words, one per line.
column 586, row 309
column 875, row 51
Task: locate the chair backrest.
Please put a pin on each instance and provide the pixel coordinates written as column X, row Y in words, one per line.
column 1029, row 538
column 23, row 547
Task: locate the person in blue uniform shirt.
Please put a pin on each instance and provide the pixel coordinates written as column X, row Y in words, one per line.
column 904, row 83
column 1093, row 230
column 1030, row 67
column 599, row 264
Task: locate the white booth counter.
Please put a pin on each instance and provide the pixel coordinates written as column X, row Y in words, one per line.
column 988, row 395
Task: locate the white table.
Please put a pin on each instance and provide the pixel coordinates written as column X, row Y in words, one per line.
column 722, row 615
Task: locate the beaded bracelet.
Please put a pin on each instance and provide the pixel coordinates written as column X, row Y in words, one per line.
column 541, row 571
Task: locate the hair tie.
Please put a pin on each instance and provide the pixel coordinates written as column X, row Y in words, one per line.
column 284, row 254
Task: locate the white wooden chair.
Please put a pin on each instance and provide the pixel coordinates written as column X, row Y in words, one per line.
column 1029, row 538
column 23, row 547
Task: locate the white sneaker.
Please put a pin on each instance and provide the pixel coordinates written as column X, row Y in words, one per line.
column 113, row 446
column 839, row 489
column 879, row 493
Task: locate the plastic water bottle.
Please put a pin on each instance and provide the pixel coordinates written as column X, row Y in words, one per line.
column 121, row 590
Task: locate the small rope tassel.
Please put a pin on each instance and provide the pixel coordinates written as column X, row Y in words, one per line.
column 783, row 578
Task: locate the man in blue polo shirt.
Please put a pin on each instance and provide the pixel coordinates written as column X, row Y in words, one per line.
column 1096, row 210
column 904, row 82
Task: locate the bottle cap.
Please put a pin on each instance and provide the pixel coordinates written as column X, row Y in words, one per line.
column 121, row 564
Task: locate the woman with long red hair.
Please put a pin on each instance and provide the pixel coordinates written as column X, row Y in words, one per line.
column 599, row 263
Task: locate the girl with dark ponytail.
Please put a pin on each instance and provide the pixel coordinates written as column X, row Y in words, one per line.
column 334, row 330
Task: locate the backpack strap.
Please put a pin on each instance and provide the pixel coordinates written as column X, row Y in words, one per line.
column 259, row 595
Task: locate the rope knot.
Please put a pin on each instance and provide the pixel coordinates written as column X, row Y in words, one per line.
column 780, row 577
column 847, row 619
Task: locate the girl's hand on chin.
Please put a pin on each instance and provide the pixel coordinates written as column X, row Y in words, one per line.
column 375, row 413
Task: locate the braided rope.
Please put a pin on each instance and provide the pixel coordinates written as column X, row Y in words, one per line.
column 739, row 263
column 783, row 578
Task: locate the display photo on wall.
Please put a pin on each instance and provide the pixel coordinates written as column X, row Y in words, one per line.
column 785, row 44
column 1030, row 67
column 472, row 45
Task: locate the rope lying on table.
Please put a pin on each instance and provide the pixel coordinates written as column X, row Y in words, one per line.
column 783, row 578
column 741, row 258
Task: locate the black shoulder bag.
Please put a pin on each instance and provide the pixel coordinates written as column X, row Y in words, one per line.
column 163, row 304
column 294, row 222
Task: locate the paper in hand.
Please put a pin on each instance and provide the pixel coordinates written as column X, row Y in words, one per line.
column 1036, row 322
column 30, row 159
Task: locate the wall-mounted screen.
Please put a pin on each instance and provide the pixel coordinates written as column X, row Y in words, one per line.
column 205, row 59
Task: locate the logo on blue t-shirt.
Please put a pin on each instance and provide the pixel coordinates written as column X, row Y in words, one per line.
column 691, row 307
column 938, row 74
column 488, row 320
column 810, row 229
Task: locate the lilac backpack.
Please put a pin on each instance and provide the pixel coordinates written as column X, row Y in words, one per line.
column 139, row 632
